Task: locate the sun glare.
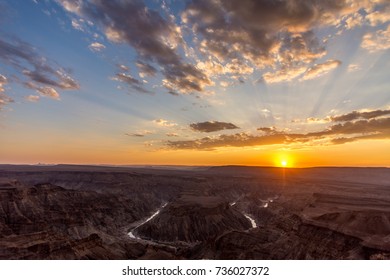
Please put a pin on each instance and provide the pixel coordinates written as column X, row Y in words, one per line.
column 283, row 160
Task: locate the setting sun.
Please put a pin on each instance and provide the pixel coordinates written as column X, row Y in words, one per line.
column 284, row 160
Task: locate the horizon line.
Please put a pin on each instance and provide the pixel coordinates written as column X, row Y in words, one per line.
column 189, row 165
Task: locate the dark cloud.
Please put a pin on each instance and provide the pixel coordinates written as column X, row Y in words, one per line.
column 37, row 69
column 211, row 126
column 134, row 83
column 155, row 38
column 56, row 79
column 235, row 140
column 360, row 115
column 352, row 116
column 372, row 126
column 335, row 134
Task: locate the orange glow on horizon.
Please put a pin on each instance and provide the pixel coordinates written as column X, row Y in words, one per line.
column 284, row 160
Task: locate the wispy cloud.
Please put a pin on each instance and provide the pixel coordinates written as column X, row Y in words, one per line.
column 132, row 82
column 33, row 98
column 284, row 75
column 353, row 67
column 145, row 69
column 230, row 40
column 49, row 92
column 165, row 123
column 172, row 134
column 45, row 91
column 78, row 25
column 377, row 41
column 35, row 71
column 262, row 33
column 3, row 82
column 355, row 115
column 153, row 37
column 142, row 133
column 321, row 69
column 4, row 100
column 96, row 47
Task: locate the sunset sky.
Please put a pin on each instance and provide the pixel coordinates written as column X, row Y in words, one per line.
column 208, row 82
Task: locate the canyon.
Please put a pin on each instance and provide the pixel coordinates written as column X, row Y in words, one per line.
column 226, row 212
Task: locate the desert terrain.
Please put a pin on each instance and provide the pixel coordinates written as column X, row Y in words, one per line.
column 227, row 212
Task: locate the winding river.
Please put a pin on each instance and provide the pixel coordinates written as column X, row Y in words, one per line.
column 131, row 233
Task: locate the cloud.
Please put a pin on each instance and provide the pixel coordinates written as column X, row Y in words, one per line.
column 212, row 126
column 145, row 69
column 154, row 38
column 231, row 39
column 353, row 67
column 33, row 67
column 352, row 116
column 268, row 130
column 140, row 133
column 4, row 100
column 49, row 92
column 96, row 47
column 123, row 67
column 312, row 120
column 33, row 98
column 283, row 75
column 172, row 134
column 3, row 81
column 354, row 20
column 263, row 33
column 377, row 41
column 45, row 91
column 165, row 123
column 77, row 25
column 355, row 115
column 234, row 140
column 354, row 128
column 134, row 83
column 321, row 69
column 380, row 16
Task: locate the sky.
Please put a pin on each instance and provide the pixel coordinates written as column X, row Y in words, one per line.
column 203, row 82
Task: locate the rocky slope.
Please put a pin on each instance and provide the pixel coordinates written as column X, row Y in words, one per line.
column 193, row 218
column 73, row 212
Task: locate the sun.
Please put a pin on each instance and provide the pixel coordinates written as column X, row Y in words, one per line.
column 284, row 160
